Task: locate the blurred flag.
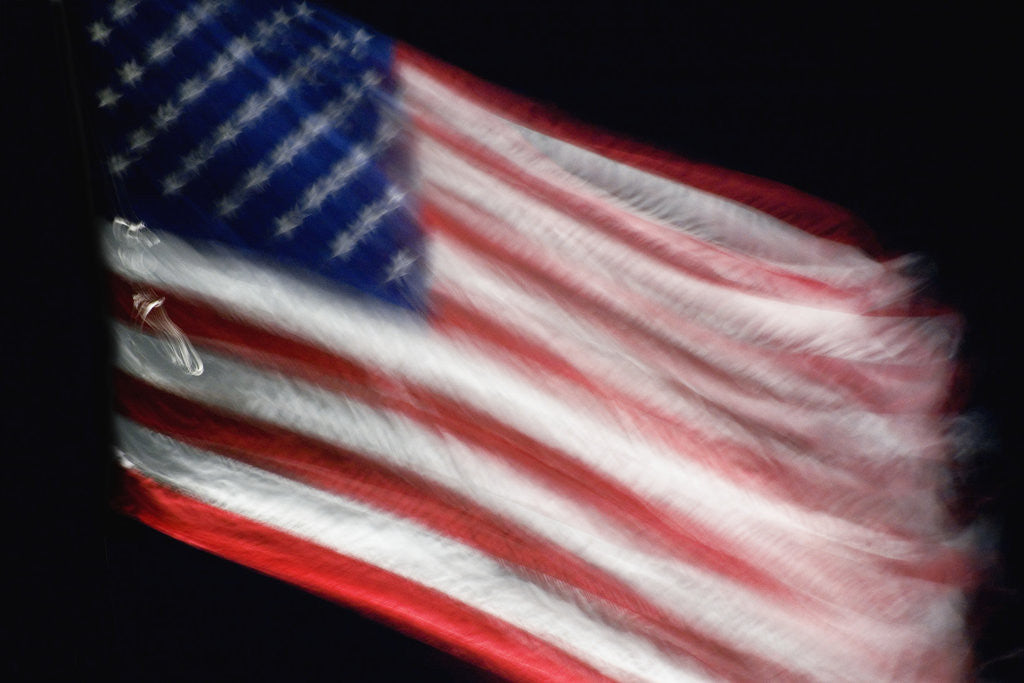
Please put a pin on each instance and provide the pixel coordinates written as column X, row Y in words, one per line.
column 564, row 406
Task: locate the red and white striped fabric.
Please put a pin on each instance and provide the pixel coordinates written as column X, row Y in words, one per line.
column 662, row 421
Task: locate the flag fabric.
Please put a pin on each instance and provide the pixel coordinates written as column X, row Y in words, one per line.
column 565, row 406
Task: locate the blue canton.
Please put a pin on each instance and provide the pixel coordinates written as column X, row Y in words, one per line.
column 270, row 128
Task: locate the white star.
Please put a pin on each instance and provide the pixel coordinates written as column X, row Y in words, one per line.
column 359, row 156
column 370, row 79
column 221, row 67
column 278, row 88
column 339, row 41
column 369, row 220
column 256, row 177
column 319, row 54
column 288, row 222
column 186, row 25
column 387, row 131
column 393, row 197
column 226, row 132
column 287, row 149
column 173, row 183
column 99, row 33
column 240, row 48
column 195, row 160
column 140, row 139
column 343, row 245
column 318, row 193
column 228, row 205
column 281, row 17
column 204, row 11
column 160, row 49
column 264, row 30
column 303, row 11
column 250, row 110
column 191, row 89
column 107, row 98
column 166, row 115
column 122, row 9
column 400, row 264
column 359, row 40
column 314, row 125
column 351, row 92
column 118, row 164
column 130, row 73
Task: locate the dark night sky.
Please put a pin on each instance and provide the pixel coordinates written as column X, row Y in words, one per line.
column 902, row 119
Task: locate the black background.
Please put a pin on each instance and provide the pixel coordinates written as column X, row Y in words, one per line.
column 904, row 118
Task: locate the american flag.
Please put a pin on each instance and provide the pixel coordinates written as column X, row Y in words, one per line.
column 560, row 404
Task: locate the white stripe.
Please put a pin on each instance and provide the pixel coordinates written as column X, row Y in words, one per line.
column 405, row 347
column 814, row 411
column 541, row 232
column 798, row 638
column 538, row 312
column 721, row 221
column 824, row 651
column 855, row 616
column 354, row 529
column 706, row 216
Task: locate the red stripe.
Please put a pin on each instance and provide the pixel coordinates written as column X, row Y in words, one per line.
column 811, row 214
column 676, row 534
column 621, row 319
column 406, row 494
column 800, row 210
column 424, row 613
column 674, row 248
column 804, row 289
column 628, row 330
column 762, row 472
